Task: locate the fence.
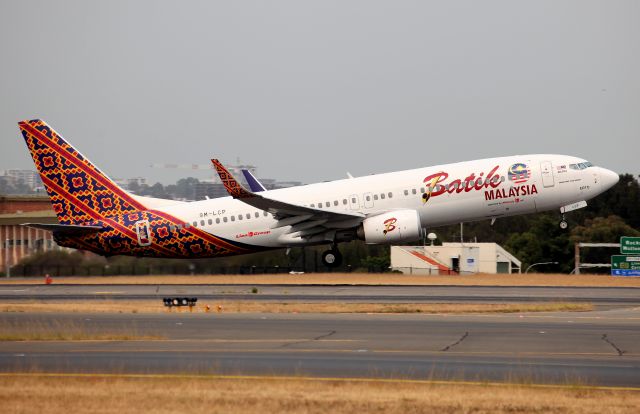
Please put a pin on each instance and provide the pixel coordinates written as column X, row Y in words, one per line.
column 177, row 269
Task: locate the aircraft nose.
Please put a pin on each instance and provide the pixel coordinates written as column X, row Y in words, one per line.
column 608, row 178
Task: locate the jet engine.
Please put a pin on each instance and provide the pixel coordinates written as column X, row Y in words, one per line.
column 392, row 227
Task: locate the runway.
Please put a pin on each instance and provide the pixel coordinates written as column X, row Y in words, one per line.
column 600, row 347
column 605, row 296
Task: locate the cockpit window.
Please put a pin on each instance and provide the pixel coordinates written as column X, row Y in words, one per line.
column 581, row 165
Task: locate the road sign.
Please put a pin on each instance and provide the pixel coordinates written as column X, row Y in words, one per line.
column 622, row 265
column 629, row 245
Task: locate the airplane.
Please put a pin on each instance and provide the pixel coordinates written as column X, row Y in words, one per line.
column 95, row 214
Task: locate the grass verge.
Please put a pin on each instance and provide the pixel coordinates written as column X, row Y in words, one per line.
column 124, row 394
column 294, row 307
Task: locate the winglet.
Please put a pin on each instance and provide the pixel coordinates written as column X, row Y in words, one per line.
column 254, row 185
column 233, row 187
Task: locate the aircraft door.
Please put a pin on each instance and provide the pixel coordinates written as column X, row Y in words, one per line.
column 354, row 203
column 142, row 231
column 547, row 174
column 367, row 200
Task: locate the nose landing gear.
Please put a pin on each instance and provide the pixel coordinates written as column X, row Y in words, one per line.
column 332, row 257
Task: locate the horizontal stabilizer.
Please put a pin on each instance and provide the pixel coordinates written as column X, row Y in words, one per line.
column 66, row 229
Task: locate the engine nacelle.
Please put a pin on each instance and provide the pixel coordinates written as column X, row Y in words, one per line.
column 393, row 227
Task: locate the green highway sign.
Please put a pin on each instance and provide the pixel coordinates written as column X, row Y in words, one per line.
column 629, row 245
column 622, row 265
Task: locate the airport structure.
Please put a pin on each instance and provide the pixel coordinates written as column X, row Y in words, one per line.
column 19, row 241
column 454, row 258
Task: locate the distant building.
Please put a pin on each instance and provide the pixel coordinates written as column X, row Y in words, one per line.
column 30, row 178
column 205, row 189
column 16, row 241
column 454, row 258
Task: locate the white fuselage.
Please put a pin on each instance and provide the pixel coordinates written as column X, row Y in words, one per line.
column 465, row 191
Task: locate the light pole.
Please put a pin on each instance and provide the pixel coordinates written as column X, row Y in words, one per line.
column 536, row 264
column 6, row 258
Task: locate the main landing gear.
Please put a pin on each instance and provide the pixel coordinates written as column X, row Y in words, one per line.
column 563, row 223
column 332, row 257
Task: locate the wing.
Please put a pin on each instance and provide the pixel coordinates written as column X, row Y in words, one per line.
column 304, row 221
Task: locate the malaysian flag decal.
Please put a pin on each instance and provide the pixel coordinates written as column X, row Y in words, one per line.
column 519, row 173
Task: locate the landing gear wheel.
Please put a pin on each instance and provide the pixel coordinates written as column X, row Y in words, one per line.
column 563, row 225
column 332, row 258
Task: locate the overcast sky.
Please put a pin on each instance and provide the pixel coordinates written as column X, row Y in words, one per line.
column 307, row 90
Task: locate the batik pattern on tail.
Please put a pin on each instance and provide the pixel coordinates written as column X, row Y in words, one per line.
column 79, row 192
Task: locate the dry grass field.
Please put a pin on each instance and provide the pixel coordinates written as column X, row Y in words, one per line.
column 119, row 394
column 292, row 307
column 532, row 279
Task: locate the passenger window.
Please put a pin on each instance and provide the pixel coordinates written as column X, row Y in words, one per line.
column 382, row 196
column 344, row 201
column 210, row 222
column 375, row 196
column 406, row 192
column 202, row 222
column 335, row 202
column 218, row 221
column 187, row 225
column 353, row 200
column 233, row 218
column 264, row 213
column 413, row 191
column 422, row 189
column 368, row 198
column 224, row 219
column 390, row 195
column 248, row 216
column 195, row 224
column 327, row 204
column 172, row 227
column 257, row 214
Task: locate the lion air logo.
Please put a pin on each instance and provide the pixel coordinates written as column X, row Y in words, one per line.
column 389, row 225
column 519, row 173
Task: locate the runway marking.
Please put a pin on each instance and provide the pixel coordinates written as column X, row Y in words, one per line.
column 331, row 379
column 107, row 293
column 14, row 290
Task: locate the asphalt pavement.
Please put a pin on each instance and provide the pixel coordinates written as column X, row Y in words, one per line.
column 600, row 347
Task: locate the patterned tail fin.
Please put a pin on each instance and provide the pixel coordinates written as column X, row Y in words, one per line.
column 79, row 191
